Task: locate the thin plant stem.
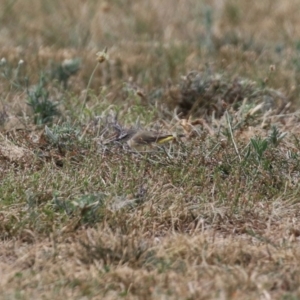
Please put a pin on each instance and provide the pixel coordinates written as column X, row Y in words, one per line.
column 87, row 88
column 232, row 138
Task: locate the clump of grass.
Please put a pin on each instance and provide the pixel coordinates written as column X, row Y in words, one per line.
column 260, row 146
column 65, row 136
column 204, row 94
column 44, row 110
column 91, row 207
column 13, row 75
column 63, row 71
column 276, row 136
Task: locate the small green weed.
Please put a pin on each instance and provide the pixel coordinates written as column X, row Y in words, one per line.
column 63, row 71
column 260, row 146
column 275, row 136
column 44, row 109
column 91, row 207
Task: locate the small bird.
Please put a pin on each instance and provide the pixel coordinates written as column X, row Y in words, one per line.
column 141, row 139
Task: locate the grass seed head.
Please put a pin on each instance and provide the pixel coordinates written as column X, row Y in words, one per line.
column 102, row 56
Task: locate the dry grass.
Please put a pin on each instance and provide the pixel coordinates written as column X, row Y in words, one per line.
column 213, row 215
